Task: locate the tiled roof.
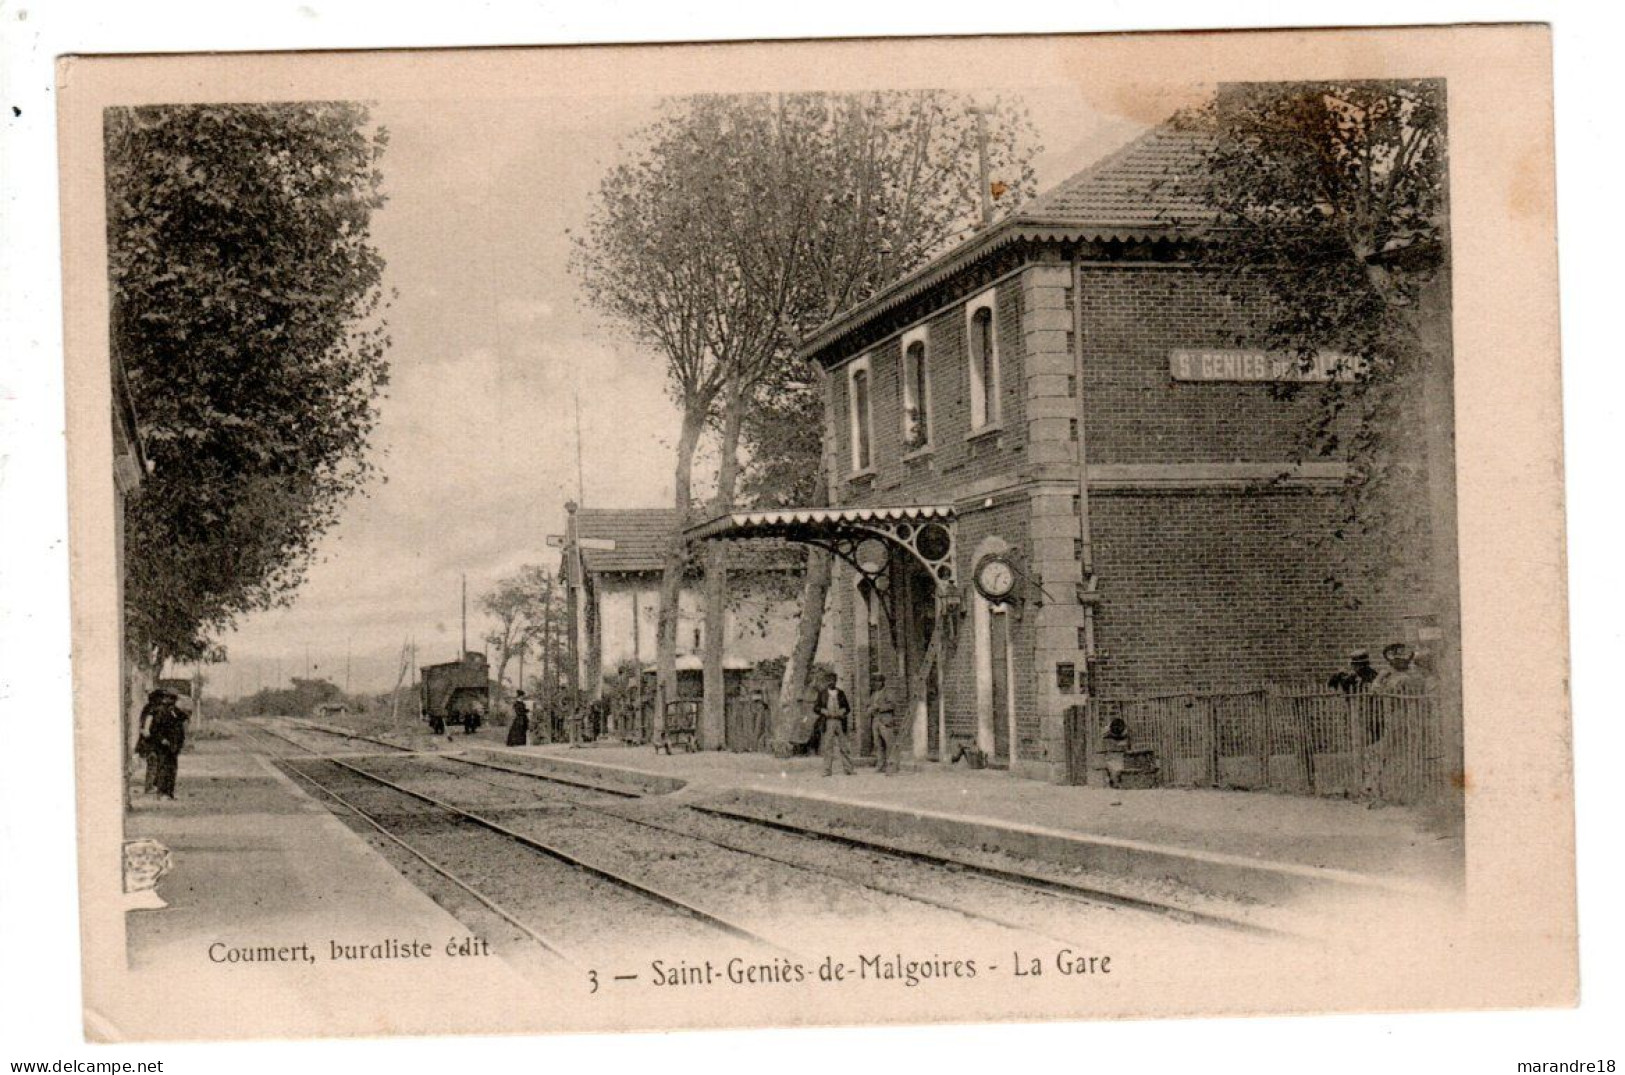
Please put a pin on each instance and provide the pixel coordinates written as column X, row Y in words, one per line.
column 1147, row 183
column 641, row 536
column 1149, row 189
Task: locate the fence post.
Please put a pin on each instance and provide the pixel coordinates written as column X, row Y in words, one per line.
column 1356, row 731
column 1306, row 745
column 1088, row 718
column 1265, row 738
column 1212, row 725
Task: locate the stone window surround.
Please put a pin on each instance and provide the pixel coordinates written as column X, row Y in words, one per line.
column 987, row 396
column 919, row 334
column 860, row 365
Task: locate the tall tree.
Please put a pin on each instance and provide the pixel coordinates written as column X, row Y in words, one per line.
column 247, row 306
column 784, row 434
column 1331, row 201
column 744, row 222
column 525, row 606
column 896, row 180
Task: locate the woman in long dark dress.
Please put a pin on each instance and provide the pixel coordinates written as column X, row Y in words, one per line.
column 143, row 747
column 519, row 727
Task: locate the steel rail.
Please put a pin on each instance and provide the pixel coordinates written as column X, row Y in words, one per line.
column 314, row 727
column 533, row 774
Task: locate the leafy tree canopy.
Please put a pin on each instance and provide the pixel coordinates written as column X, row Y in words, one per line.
column 247, row 312
column 525, row 606
column 1329, row 200
column 739, row 223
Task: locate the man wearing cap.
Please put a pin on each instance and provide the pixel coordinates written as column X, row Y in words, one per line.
column 166, row 735
column 1359, row 675
column 883, row 725
column 833, row 709
column 1384, row 751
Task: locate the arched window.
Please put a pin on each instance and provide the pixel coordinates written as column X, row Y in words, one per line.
column 983, row 350
column 860, row 406
column 916, row 391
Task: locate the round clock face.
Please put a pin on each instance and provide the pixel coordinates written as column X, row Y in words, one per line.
column 995, row 578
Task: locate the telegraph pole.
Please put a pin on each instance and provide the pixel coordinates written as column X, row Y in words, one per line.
column 980, row 113
column 463, row 652
column 580, row 480
column 572, row 556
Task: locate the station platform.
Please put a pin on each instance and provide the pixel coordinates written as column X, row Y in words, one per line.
column 259, row 864
column 1250, row 843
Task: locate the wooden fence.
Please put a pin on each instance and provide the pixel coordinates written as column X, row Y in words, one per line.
column 1376, row 746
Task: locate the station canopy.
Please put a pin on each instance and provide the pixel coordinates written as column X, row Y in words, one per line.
column 924, row 530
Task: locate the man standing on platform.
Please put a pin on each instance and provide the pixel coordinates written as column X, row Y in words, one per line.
column 883, row 722
column 832, row 710
column 166, row 735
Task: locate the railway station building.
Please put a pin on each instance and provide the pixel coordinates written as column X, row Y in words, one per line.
column 1058, row 471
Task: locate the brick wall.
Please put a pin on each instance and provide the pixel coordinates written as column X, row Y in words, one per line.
column 1206, row 586
column 1008, row 522
column 1220, row 590
column 953, row 459
column 1137, row 413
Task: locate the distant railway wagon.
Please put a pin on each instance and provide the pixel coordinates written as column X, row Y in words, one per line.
column 451, row 691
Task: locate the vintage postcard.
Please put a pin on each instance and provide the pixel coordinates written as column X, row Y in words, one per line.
column 832, row 532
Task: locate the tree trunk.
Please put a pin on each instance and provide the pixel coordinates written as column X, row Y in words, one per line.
column 797, row 670
column 504, row 655
column 814, row 593
column 671, row 580
column 713, row 727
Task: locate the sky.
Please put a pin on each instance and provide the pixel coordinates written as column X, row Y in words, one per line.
column 492, row 344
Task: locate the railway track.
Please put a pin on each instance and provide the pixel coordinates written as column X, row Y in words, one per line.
column 1001, row 903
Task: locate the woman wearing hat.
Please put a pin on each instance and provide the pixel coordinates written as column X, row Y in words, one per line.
column 1401, row 677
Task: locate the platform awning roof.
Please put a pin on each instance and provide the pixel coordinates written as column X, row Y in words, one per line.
column 925, row 531
column 796, row 523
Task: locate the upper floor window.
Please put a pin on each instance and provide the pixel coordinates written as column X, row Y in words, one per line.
column 916, row 391
column 983, row 349
column 860, row 408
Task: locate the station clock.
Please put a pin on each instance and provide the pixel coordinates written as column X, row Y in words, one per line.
column 995, row 577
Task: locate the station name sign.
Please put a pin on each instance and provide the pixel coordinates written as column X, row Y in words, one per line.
column 1217, row 364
